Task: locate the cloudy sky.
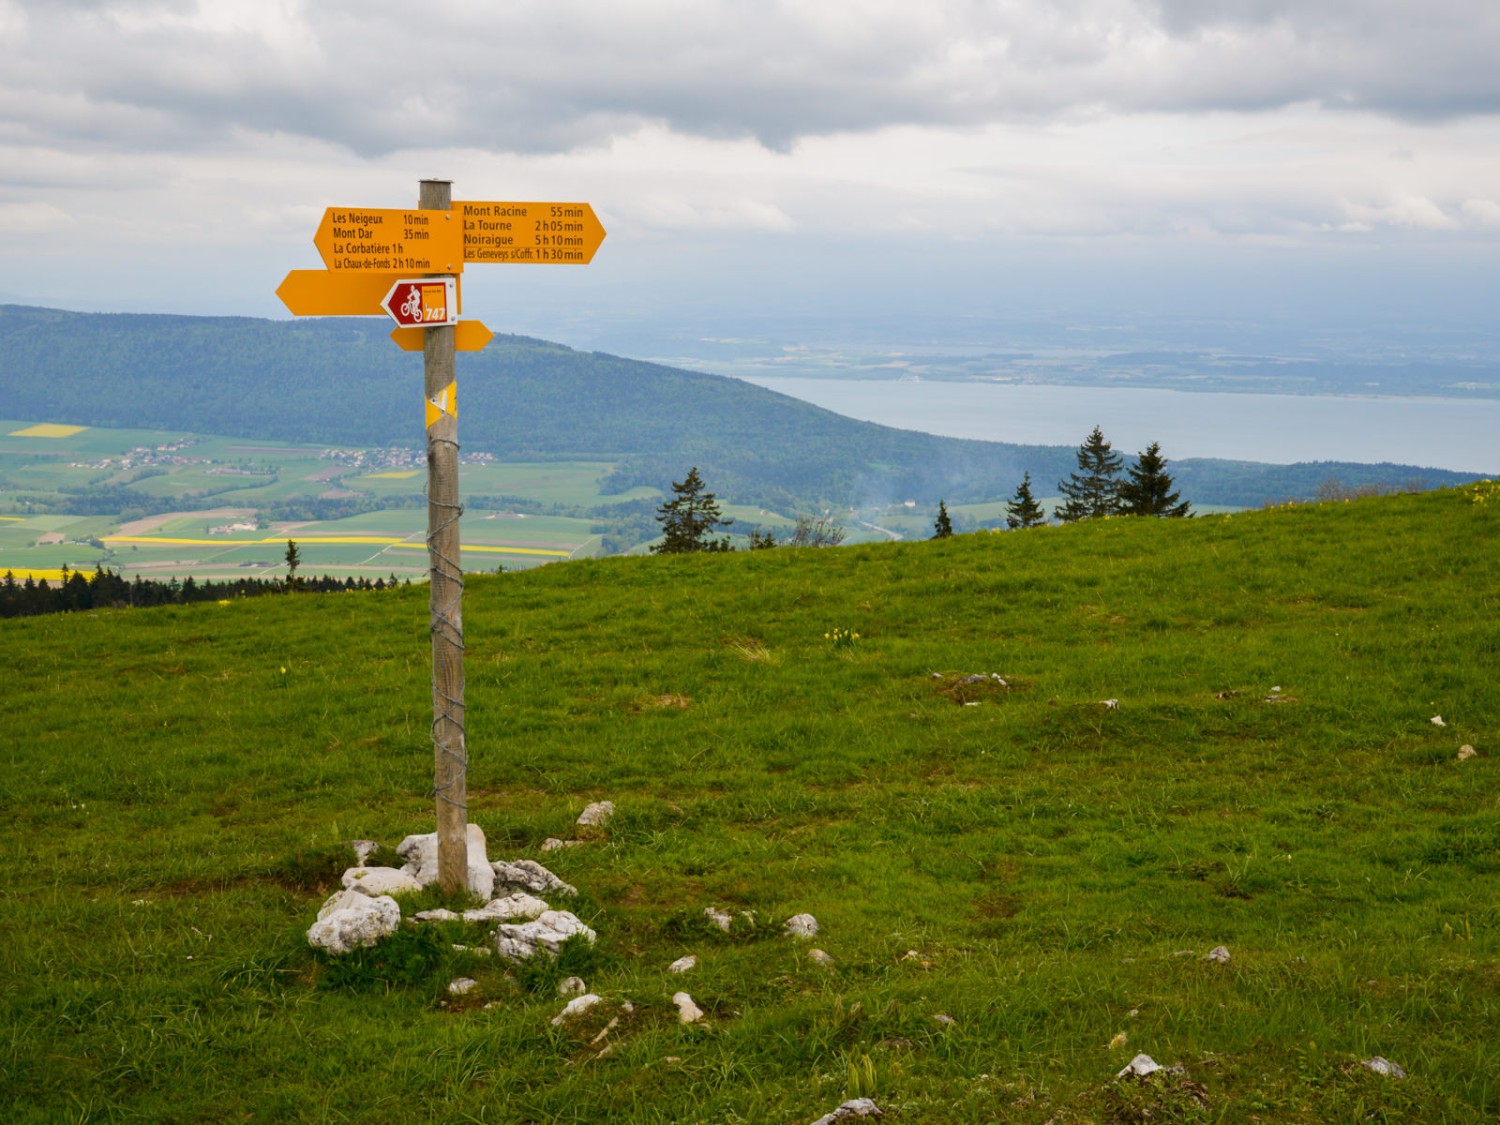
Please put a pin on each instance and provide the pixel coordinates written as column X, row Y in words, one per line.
column 815, row 156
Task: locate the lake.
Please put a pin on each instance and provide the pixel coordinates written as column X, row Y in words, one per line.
column 1441, row 433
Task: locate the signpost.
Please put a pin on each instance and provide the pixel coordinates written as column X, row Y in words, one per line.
column 406, row 265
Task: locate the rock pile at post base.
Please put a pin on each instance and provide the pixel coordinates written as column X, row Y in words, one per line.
column 364, row 911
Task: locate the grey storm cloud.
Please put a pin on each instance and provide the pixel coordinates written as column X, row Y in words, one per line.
column 377, row 76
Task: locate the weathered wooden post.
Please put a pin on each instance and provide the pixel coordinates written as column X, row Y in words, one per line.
column 445, row 597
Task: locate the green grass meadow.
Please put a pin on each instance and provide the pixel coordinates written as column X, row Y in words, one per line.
column 1042, row 869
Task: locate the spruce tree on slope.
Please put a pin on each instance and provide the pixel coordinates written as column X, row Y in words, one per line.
column 1094, row 490
column 1023, row 510
column 688, row 521
column 943, row 527
column 1148, row 491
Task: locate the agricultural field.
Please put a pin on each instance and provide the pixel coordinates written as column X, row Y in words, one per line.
column 197, row 505
column 1221, row 792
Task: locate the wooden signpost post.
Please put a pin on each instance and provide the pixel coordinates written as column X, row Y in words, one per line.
column 407, row 265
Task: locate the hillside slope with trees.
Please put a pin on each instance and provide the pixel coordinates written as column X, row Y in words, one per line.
column 341, row 381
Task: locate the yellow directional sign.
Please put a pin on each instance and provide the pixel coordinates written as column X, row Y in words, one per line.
column 539, row 233
column 347, row 293
column 468, row 336
column 387, row 240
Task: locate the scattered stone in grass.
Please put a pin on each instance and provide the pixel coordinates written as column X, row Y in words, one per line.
column 1118, row 1041
column 545, row 935
column 351, row 920
column 818, row 957
column 1110, row 704
column 604, row 1033
column 530, row 876
column 719, row 918
column 1437, row 721
column 687, row 1011
column 552, row 843
column 1383, row 1066
column 571, row 986
column 1132, row 1013
column 421, row 855
column 436, row 914
column 683, row 964
column 377, row 881
column 462, row 986
column 802, row 926
column 363, row 850
column 596, row 815
column 1219, row 955
column 476, row 950
column 945, row 1019
column 1465, row 752
column 1142, row 1065
column 576, row 1007
column 1225, row 694
column 511, row 906
column 858, row 1107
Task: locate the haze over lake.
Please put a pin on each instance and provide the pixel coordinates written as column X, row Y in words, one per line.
column 1439, row 433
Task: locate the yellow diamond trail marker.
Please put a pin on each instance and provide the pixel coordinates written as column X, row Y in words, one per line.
column 386, row 240
column 535, row 233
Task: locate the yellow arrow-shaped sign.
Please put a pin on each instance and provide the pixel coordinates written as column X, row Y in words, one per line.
column 468, row 336
column 390, row 240
column 325, row 293
column 535, row 233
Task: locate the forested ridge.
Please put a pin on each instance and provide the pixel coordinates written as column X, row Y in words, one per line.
column 342, row 381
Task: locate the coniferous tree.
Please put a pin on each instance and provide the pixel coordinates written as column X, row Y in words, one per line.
column 1148, row 491
column 1094, row 490
column 1023, row 510
column 689, row 520
column 943, row 527
column 293, row 560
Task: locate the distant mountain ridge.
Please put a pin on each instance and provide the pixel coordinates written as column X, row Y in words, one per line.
column 342, row 381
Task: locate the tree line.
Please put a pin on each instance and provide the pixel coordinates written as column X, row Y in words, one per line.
column 1096, row 490
column 107, row 589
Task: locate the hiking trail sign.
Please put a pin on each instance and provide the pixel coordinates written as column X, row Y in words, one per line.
column 407, row 264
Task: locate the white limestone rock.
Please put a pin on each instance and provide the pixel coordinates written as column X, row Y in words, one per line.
column 856, row 1107
column 420, row 853
column 571, row 986
column 377, row 881
column 1465, row 752
column 462, row 986
column 341, row 900
column 354, row 921
column 802, row 926
column 529, row 876
column 1219, row 955
column 1144, row 1065
column 437, row 914
column 683, row 964
column 687, row 1011
column 1383, row 1066
column 719, row 918
column 596, row 815
column 519, row 942
column 363, row 850
column 819, row 957
column 507, row 909
column 576, row 1007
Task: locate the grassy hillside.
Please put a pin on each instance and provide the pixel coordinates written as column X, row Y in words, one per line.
column 1042, row 869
